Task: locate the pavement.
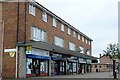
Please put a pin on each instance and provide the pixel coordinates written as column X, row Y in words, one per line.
column 87, row 76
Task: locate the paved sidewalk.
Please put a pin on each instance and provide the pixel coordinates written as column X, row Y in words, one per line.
column 87, row 75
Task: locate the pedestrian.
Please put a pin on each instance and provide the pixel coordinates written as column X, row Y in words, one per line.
column 82, row 71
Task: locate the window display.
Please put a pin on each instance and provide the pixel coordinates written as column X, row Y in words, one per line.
column 29, row 67
column 74, row 67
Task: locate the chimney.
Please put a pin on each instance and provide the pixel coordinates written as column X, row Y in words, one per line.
column 100, row 55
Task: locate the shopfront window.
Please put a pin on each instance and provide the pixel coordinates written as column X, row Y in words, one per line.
column 29, row 67
column 70, row 67
column 43, row 67
column 74, row 67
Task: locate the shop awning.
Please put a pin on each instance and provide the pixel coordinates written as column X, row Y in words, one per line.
column 37, row 57
column 57, row 49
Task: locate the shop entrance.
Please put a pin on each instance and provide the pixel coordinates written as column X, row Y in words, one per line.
column 37, row 67
column 81, row 68
column 59, row 67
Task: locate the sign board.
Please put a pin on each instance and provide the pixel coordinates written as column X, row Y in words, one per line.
column 88, row 61
column 12, row 54
column 29, row 48
column 9, row 50
column 40, row 52
column 57, row 55
column 81, row 60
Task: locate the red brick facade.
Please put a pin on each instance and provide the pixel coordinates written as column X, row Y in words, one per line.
column 12, row 21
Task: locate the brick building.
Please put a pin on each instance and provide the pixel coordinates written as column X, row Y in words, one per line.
column 104, row 65
column 36, row 42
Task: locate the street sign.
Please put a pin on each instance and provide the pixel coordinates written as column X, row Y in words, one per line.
column 29, row 48
column 12, row 54
column 9, row 50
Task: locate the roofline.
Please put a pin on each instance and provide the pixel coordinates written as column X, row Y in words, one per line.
column 66, row 23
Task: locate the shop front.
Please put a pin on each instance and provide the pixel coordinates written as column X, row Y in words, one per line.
column 72, row 65
column 89, row 66
column 37, row 63
column 58, row 65
column 82, row 65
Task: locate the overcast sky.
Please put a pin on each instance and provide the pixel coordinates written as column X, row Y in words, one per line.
column 98, row 19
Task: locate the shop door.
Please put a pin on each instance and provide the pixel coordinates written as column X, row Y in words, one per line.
column 62, row 68
column 74, row 67
column 43, row 68
column 36, row 67
column 57, row 67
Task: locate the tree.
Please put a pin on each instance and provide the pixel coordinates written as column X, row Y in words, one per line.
column 112, row 51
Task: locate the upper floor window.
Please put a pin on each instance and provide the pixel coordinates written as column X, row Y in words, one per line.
column 82, row 39
column 86, row 41
column 72, row 46
column 89, row 42
column 59, row 41
column 32, row 9
column 88, row 52
column 81, row 49
column 54, row 22
column 69, row 31
column 62, row 27
column 44, row 16
column 78, row 36
column 38, row 34
column 74, row 34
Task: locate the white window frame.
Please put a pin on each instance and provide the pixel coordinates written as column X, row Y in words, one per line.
column 86, row 41
column 58, row 41
column 54, row 22
column 43, row 36
column 74, row 34
column 44, row 16
column 78, row 37
column 72, row 46
column 89, row 42
column 82, row 39
column 81, row 49
column 88, row 52
column 69, row 31
column 38, row 34
column 62, row 27
column 32, row 9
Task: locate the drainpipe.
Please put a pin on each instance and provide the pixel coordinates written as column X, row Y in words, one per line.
column 17, row 28
column 2, row 45
column 25, row 24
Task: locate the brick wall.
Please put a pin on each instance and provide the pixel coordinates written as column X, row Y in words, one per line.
column 53, row 31
column 105, row 60
column 103, row 68
column 10, row 18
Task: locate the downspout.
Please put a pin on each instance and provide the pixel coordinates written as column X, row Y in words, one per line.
column 2, row 46
column 17, row 28
column 25, row 25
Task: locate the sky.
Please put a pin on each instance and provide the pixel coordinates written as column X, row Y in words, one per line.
column 98, row 19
